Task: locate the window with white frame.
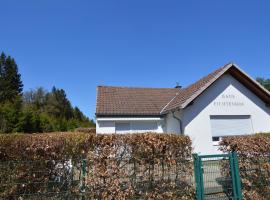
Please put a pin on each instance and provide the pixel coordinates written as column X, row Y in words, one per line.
column 230, row 125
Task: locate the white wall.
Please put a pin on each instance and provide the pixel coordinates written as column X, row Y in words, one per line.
column 105, row 127
column 146, row 126
column 225, row 97
column 172, row 124
column 137, row 125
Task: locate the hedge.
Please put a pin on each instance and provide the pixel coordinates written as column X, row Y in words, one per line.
column 38, row 164
column 134, row 166
column 254, row 163
column 50, row 146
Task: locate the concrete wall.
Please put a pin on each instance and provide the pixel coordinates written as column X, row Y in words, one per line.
column 225, row 97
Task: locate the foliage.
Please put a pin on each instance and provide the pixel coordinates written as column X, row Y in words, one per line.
column 140, row 166
column 264, row 82
column 254, row 163
column 35, row 110
column 10, row 80
column 46, row 146
column 85, row 130
column 55, row 110
column 40, row 164
column 9, row 115
column 136, row 166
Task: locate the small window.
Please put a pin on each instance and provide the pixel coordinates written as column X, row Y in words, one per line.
column 215, row 139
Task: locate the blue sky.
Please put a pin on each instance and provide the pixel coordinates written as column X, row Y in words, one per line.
column 79, row 44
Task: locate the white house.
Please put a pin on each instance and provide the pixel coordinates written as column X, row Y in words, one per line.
column 226, row 102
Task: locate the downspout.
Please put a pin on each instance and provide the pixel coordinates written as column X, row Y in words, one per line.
column 179, row 120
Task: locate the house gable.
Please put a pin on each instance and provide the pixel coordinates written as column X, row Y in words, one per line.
column 226, row 97
column 189, row 94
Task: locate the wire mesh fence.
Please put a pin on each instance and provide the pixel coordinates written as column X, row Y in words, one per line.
column 134, row 179
column 255, row 176
column 41, row 179
column 83, row 179
column 217, row 184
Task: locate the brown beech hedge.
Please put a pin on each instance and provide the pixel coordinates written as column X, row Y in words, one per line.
column 133, row 166
column 254, row 163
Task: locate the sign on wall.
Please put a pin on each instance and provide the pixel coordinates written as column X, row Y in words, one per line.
column 228, row 100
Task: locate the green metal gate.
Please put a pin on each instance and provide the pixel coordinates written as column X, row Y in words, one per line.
column 217, row 177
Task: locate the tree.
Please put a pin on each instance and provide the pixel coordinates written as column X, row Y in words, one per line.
column 35, row 98
column 29, row 122
column 10, row 79
column 58, row 105
column 10, row 94
column 264, row 82
column 35, row 110
column 9, row 115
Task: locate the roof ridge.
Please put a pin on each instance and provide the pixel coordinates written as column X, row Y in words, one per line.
column 215, row 73
column 169, row 102
column 135, row 87
column 218, row 72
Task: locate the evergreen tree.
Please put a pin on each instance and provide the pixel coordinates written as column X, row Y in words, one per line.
column 10, row 79
column 35, row 110
column 58, row 105
column 78, row 114
column 10, row 94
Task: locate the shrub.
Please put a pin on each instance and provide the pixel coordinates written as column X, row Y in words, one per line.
column 135, row 166
column 32, row 165
column 85, row 130
column 254, row 163
column 140, row 166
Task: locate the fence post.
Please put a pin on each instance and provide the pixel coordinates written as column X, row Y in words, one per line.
column 237, row 176
column 197, row 171
column 232, row 173
column 83, row 186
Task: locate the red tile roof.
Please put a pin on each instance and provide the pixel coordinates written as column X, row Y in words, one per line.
column 157, row 101
column 132, row 101
column 194, row 89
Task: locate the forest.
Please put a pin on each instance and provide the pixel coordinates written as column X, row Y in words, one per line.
column 34, row 111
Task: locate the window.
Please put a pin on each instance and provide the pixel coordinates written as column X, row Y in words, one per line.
column 216, row 139
column 136, row 126
column 144, row 126
column 230, row 125
column 122, row 127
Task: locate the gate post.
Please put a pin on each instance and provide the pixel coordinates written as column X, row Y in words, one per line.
column 197, row 174
column 237, row 176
